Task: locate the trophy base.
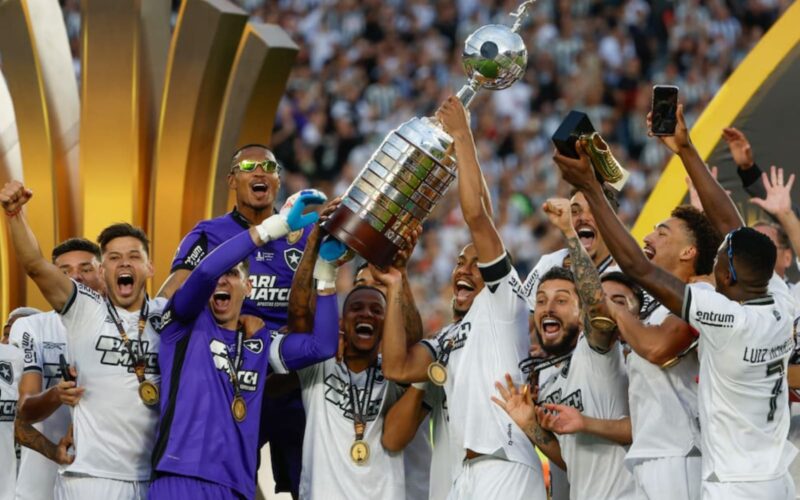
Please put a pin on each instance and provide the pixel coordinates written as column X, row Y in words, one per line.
column 347, row 227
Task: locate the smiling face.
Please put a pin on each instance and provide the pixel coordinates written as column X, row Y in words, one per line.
column 82, row 267
column 622, row 295
column 557, row 316
column 466, row 280
column 125, row 270
column 226, row 302
column 362, row 320
column 585, row 226
column 669, row 245
column 257, row 189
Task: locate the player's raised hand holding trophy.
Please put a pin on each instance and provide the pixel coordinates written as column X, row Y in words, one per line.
column 414, row 166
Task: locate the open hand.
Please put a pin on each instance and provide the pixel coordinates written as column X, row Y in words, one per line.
column 411, row 239
column 739, row 146
column 779, row 195
column 560, row 419
column 517, row 403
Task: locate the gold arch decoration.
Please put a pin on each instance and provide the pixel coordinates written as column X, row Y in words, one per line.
column 734, row 103
column 155, row 114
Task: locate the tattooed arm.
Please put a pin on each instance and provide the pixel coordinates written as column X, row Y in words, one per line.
column 587, row 279
column 27, row 435
column 302, row 295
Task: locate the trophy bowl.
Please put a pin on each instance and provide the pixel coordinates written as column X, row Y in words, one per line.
column 414, row 166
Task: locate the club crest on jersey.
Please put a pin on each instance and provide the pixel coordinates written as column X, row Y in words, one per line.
column 6, row 372
column 155, row 322
column 294, row 236
column 292, row 257
column 254, row 345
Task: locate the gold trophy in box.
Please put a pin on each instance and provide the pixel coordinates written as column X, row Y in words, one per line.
column 414, row 166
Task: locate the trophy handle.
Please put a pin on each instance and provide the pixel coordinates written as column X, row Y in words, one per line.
column 468, row 92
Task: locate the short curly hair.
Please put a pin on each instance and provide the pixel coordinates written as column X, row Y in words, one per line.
column 705, row 237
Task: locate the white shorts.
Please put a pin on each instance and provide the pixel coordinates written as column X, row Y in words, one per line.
column 79, row 487
column 775, row 489
column 669, row 478
column 37, row 476
column 490, row 477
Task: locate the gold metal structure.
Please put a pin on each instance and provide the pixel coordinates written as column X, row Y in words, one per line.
column 152, row 118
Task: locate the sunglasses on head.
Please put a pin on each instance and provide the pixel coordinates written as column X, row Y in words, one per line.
column 268, row 166
column 729, row 244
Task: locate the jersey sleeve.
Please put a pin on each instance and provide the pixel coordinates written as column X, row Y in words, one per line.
column 84, row 310
column 503, row 287
column 296, row 351
column 192, row 249
column 23, row 336
column 711, row 314
column 434, row 345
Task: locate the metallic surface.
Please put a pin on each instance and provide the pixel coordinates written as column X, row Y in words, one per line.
column 124, row 45
column 35, row 53
column 258, row 79
column 204, row 44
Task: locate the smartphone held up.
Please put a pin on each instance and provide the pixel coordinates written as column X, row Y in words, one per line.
column 665, row 107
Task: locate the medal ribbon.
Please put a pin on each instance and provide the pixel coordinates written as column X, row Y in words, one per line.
column 360, row 406
column 236, row 364
column 137, row 355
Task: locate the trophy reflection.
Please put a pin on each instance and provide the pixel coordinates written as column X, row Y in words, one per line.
column 414, row 166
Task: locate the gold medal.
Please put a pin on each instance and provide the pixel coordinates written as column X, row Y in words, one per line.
column 437, row 373
column 359, row 452
column 239, row 408
column 148, row 392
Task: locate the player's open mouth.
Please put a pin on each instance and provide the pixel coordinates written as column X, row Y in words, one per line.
column 125, row 284
column 259, row 187
column 364, row 330
column 221, row 300
column 649, row 252
column 464, row 289
column 550, row 328
column 587, row 236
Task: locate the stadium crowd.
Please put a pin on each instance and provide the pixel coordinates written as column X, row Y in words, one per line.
column 606, row 349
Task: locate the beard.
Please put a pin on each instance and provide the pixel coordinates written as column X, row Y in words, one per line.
column 458, row 314
column 564, row 345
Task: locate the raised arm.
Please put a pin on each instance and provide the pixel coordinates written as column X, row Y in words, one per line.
column 401, row 363
column 299, row 351
column 587, row 279
column 658, row 344
column 403, row 419
column 191, row 298
column 777, row 201
column 718, row 205
column 411, row 316
column 665, row 287
column 471, row 190
column 301, row 296
column 56, row 287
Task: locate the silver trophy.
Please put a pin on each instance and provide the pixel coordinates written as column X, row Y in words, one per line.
column 414, row 166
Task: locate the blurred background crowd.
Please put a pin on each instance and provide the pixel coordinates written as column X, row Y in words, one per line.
column 366, row 66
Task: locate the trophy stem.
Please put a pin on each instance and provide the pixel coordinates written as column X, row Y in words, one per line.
column 468, row 92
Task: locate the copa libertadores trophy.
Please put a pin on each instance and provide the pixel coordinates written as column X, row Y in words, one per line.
column 414, row 166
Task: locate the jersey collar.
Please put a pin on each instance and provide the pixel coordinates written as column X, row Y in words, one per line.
column 240, row 219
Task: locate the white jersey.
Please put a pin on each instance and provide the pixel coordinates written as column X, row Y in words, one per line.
column 491, row 340
column 744, row 408
column 10, row 373
column 417, row 462
column 663, row 404
column 328, row 471
column 447, row 454
column 42, row 338
column 113, row 430
column 597, row 386
column 549, row 261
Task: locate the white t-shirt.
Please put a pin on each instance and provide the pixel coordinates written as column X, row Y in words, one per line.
column 113, row 430
column 743, row 397
column 596, row 385
column 10, row 373
column 447, row 454
column 663, row 404
column 42, row 338
column 328, row 471
column 491, row 340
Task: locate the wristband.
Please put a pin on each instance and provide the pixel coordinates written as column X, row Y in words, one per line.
column 272, row 228
column 324, row 270
column 14, row 213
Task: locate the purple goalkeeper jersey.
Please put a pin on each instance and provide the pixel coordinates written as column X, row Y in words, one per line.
column 198, row 435
column 272, row 266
